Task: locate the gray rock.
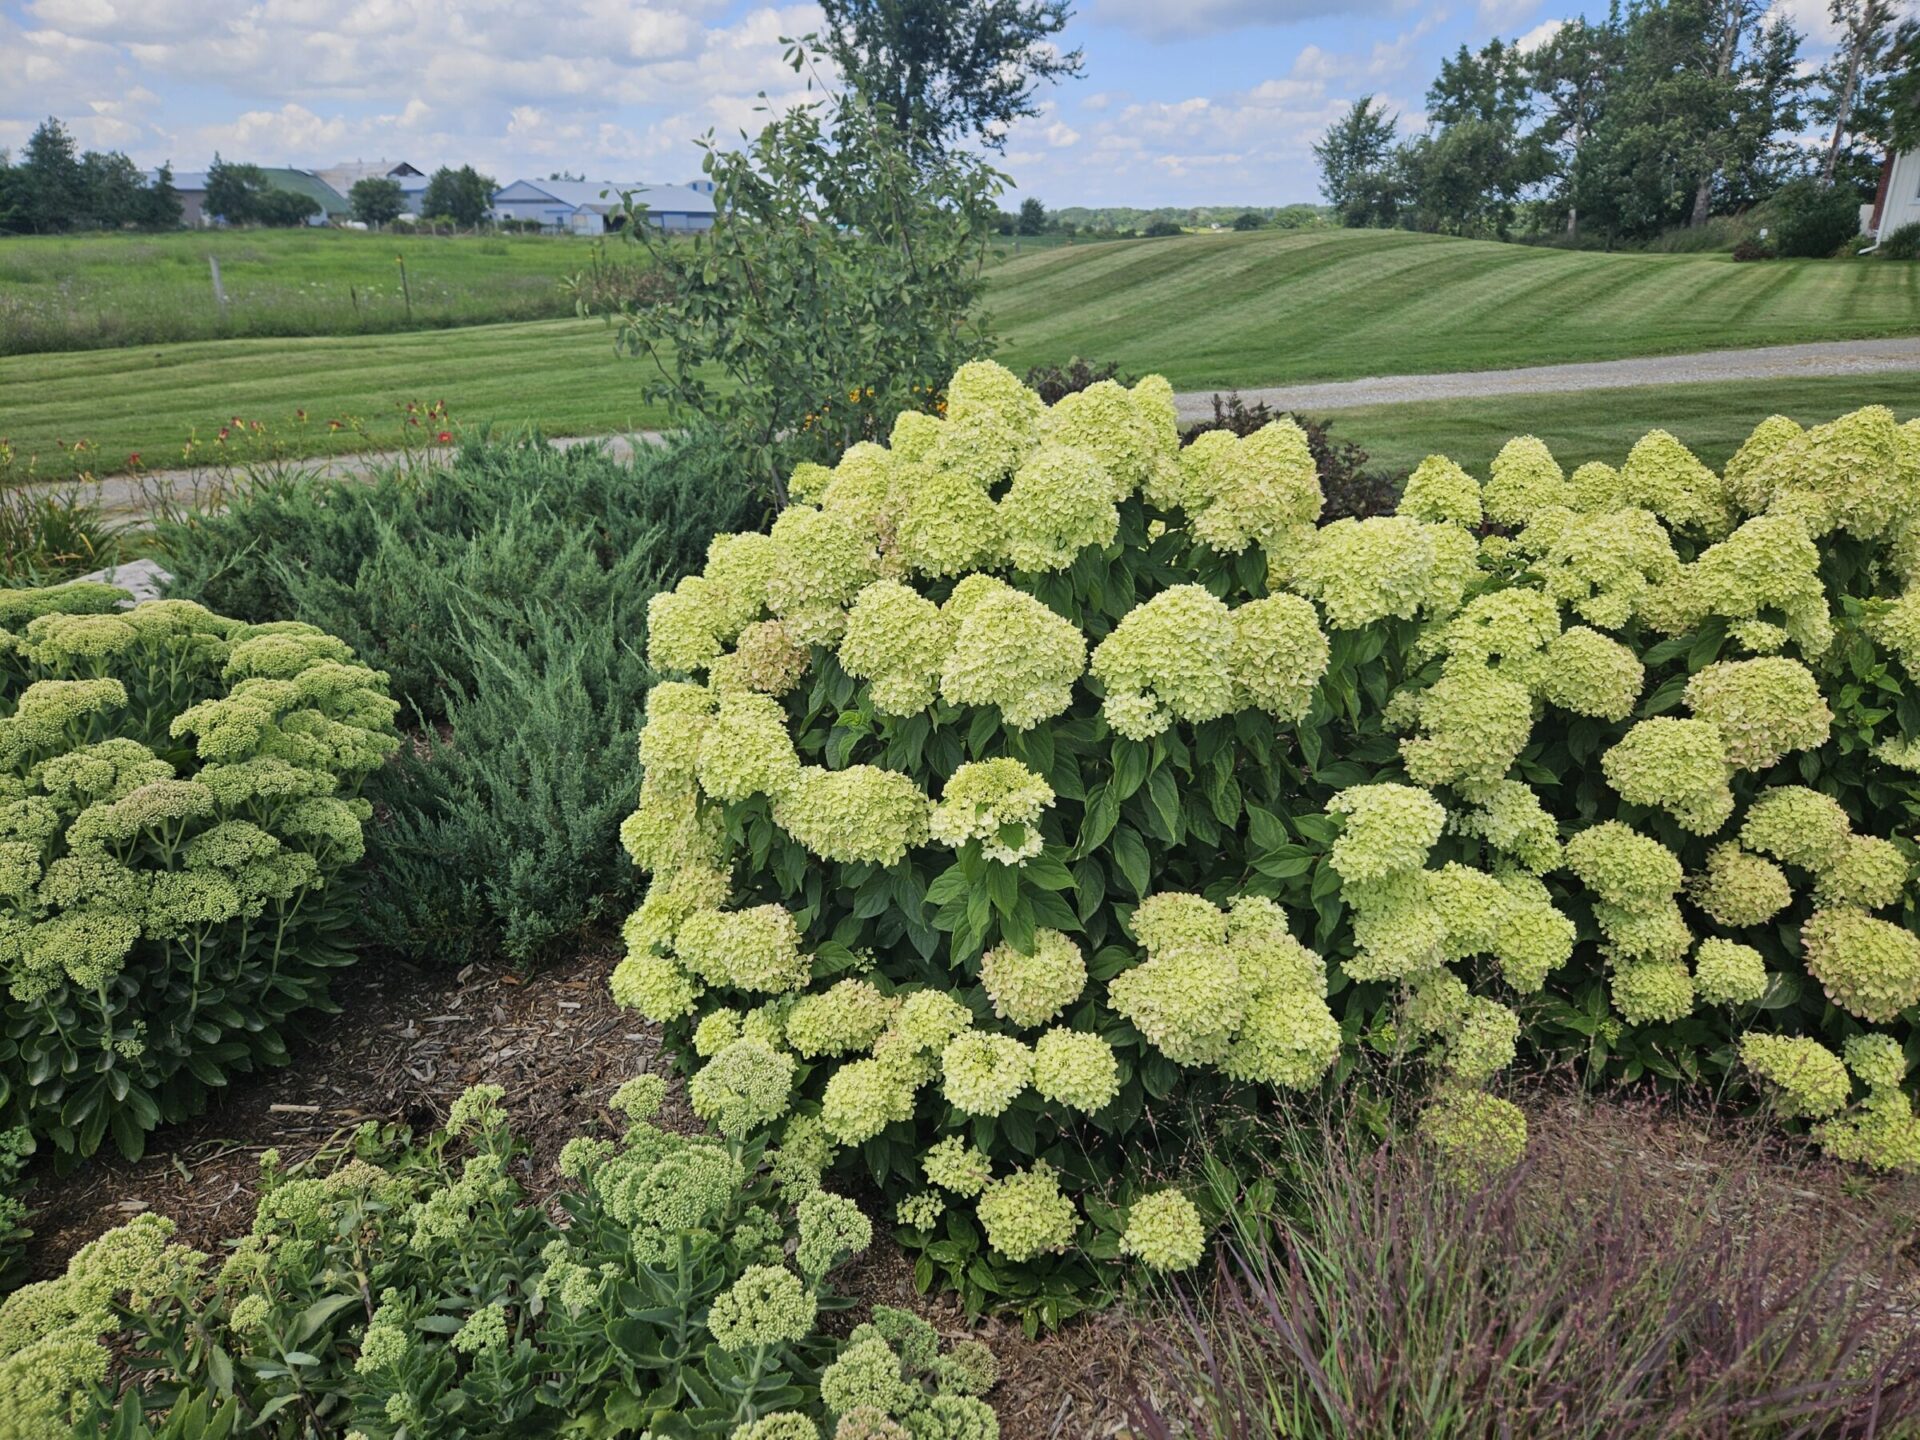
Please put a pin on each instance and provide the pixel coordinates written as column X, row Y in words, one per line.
column 142, row 579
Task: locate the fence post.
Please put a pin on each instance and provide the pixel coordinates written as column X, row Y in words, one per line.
column 219, row 291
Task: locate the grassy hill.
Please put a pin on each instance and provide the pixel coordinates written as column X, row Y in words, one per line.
column 1213, row 310
column 1208, row 311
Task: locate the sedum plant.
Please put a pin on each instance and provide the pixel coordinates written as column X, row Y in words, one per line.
column 414, row 1287
column 1034, row 771
column 179, row 816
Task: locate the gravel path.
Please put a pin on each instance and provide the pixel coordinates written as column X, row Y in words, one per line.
column 123, row 495
column 1774, row 362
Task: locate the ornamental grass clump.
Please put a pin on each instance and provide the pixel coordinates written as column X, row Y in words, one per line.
column 1151, row 821
column 1703, row 1289
column 179, row 822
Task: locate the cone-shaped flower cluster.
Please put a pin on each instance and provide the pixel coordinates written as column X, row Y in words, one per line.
column 1055, row 743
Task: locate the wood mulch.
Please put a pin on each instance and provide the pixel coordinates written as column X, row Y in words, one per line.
column 405, row 1044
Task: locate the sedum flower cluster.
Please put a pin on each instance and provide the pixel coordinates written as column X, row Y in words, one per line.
column 1089, row 770
column 178, row 805
column 422, row 1282
column 893, row 1378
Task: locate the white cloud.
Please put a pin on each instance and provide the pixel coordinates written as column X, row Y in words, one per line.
column 500, row 83
column 1809, row 17
column 1158, row 20
column 1539, row 35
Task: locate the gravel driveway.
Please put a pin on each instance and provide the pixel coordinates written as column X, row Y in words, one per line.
column 1774, row 362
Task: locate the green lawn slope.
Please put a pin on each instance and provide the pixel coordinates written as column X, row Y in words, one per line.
column 1249, row 309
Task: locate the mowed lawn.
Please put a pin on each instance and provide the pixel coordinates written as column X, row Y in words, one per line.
column 1208, row 311
column 1231, row 309
column 1712, row 420
column 561, row 376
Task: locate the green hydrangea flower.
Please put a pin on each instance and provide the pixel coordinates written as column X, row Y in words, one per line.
column 1029, row 990
column 1025, row 1215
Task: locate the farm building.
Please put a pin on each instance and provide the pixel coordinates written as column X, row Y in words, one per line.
column 333, row 205
column 1898, row 200
column 592, row 207
column 347, row 173
column 191, row 185
column 412, row 181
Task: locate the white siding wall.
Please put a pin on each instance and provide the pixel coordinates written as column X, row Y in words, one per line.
column 1903, row 194
column 550, row 213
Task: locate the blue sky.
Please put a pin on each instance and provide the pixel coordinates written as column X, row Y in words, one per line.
column 1184, row 101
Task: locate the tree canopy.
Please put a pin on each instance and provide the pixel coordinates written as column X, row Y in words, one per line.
column 463, row 196
column 1656, row 115
column 55, row 187
column 946, row 71
column 376, row 200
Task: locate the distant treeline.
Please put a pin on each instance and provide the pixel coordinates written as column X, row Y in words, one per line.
column 1187, row 217
column 1664, row 114
column 1034, row 218
column 55, row 188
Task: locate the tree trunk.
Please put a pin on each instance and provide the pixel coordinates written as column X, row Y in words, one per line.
column 1702, row 202
column 1867, row 19
column 1729, row 48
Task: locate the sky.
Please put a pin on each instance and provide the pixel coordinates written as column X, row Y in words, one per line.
column 1184, row 102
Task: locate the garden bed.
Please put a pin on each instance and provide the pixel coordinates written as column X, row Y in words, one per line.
column 405, row 1044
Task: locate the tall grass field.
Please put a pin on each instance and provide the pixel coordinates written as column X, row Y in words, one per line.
column 93, row 292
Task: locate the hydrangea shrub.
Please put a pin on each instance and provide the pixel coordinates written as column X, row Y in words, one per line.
column 178, row 810
column 385, row 1289
column 1034, row 771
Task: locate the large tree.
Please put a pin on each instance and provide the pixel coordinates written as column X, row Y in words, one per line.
column 1854, row 102
column 1572, row 75
column 1699, row 110
column 235, row 190
column 945, row 71
column 109, row 191
column 1356, row 158
column 159, row 206
column 51, row 196
column 463, row 196
column 1902, row 93
column 376, row 201
column 1470, row 169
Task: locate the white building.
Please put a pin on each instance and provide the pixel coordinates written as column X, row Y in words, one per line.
column 1898, row 200
column 592, row 207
